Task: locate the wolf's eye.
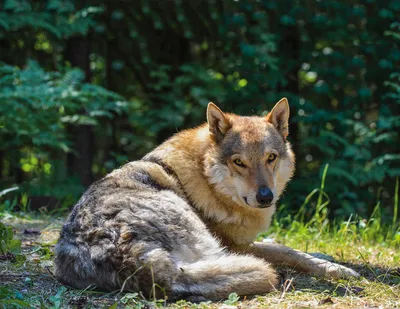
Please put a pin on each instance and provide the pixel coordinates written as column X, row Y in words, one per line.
column 271, row 157
column 238, row 162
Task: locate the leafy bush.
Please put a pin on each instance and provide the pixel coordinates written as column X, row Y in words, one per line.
column 7, row 242
column 36, row 107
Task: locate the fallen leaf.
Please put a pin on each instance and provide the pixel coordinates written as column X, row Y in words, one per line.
column 327, row 300
column 32, row 231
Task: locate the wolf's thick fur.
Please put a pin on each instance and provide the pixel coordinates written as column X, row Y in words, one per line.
column 184, row 217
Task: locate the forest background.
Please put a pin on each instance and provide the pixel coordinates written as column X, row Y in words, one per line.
column 86, row 86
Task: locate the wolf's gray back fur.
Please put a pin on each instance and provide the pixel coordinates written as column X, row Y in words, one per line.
column 136, row 228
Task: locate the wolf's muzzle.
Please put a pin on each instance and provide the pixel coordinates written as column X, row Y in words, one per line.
column 264, row 197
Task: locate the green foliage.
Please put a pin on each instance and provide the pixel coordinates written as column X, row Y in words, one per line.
column 59, row 18
column 232, row 300
column 57, row 300
column 336, row 61
column 355, row 230
column 35, row 106
column 130, row 301
column 7, row 242
column 35, row 109
column 13, row 303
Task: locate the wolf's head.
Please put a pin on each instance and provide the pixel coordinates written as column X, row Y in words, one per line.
column 250, row 159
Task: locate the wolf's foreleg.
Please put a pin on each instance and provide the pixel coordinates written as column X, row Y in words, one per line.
column 281, row 255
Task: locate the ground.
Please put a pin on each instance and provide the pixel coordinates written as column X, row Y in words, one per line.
column 28, row 282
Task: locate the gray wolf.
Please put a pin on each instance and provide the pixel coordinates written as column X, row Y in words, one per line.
column 182, row 220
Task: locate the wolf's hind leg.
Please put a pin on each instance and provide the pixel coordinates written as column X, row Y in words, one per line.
column 217, row 277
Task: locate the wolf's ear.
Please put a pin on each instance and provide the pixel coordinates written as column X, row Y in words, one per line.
column 279, row 117
column 218, row 123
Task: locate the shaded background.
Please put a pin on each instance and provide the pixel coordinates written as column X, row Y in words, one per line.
column 86, row 86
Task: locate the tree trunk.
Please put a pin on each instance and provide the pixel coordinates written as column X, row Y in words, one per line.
column 289, row 48
column 1, row 165
column 16, row 166
column 79, row 164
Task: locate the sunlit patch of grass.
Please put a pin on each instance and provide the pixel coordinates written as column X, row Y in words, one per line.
column 319, row 232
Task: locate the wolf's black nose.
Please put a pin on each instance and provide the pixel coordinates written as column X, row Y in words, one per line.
column 264, row 196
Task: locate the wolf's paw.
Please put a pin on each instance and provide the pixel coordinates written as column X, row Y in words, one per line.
column 334, row 270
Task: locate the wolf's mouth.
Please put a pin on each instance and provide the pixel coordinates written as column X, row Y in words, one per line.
column 258, row 206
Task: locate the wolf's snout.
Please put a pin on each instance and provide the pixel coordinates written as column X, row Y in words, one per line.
column 264, row 197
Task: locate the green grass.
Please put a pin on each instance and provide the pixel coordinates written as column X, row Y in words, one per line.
column 367, row 245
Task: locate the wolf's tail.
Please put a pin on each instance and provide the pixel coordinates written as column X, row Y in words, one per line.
column 212, row 277
column 216, row 278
